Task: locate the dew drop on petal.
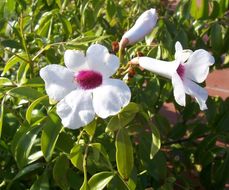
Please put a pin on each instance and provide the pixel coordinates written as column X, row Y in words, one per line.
column 88, row 79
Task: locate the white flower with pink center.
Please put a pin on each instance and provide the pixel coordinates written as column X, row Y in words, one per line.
column 84, row 87
column 142, row 27
column 185, row 71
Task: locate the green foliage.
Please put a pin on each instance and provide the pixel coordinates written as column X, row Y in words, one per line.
column 136, row 149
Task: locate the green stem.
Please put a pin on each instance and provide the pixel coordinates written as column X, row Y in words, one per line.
column 120, row 54
column 25, row 45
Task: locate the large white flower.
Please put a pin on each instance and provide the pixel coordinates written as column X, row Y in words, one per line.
column 83, row 88
column 185, row 71
column 143, row 26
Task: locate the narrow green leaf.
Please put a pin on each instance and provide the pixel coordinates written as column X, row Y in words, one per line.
column 216, row 37
column 25, row 171
column 50, row 134
column 125, row 116
column 87, row 39
column 124, row 153
column 19, row 58
column 22, row 144
column 60, row 170
column 1, row 116
column 66, row 25
column 28, row 169
column 33, row 105
column 22, row 71
column 42, row 183
column 100, row 180
column 25, row 92
column 5, row 81
column 156, row 142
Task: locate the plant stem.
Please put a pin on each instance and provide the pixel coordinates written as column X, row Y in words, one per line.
column 25, row 45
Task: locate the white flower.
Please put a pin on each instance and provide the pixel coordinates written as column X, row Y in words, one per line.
column 143, row 26
column 185, row 71
column 83, row 88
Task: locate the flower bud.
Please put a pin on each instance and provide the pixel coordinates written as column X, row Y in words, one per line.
column 143, row 26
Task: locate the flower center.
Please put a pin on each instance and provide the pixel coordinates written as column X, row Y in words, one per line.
column 88, row 79
column 181, row 70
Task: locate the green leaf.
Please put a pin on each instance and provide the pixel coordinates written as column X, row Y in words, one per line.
column 18, row 58
column 60, row 170
column 76, row 156
column 124, row 153
column 1, row 116
column 199, row 8
column 42, row 183
column 5, row 81
column 87, row 39
column 49, row 2
column 11, row 44
column 22, row 144
column 90, row 128
column 156, row 142
column 100, row 148
column 50, row 134
column 100, row 180
column 215, row 9
column 9, row 8
column 25, row 171
column 22, row 71
column 125, row 116
column 25, row 92
column 216, row 37
column 33, row 105
column 66, row 24
column 28, row 169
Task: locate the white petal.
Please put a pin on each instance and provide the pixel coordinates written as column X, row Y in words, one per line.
column 196, row 91
column 143, row 26
column 180, row 54
column 197, row 67
column 110, row 97
column 178, row 47
column 59, row 81
column 111, row 63
column 76, row 109
column 75, row 60
column 163, row 68
column 178, row 89
column 99, row 59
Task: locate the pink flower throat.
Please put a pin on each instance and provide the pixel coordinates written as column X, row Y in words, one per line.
column 88, row 79
column 181, row 71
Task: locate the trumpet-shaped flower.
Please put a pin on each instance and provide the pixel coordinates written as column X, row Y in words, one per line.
column 143, row 26
column 84, row 87
column 185, row 71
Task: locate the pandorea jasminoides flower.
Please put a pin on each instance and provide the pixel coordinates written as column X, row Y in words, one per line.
column 143, row 26
column 185, row 71
column 83, row 88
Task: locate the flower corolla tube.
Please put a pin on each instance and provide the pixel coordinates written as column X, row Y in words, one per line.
column 188, row 69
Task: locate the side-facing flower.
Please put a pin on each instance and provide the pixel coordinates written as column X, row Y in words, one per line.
column 84, row 87
column 185, row 71
column 143, row 26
